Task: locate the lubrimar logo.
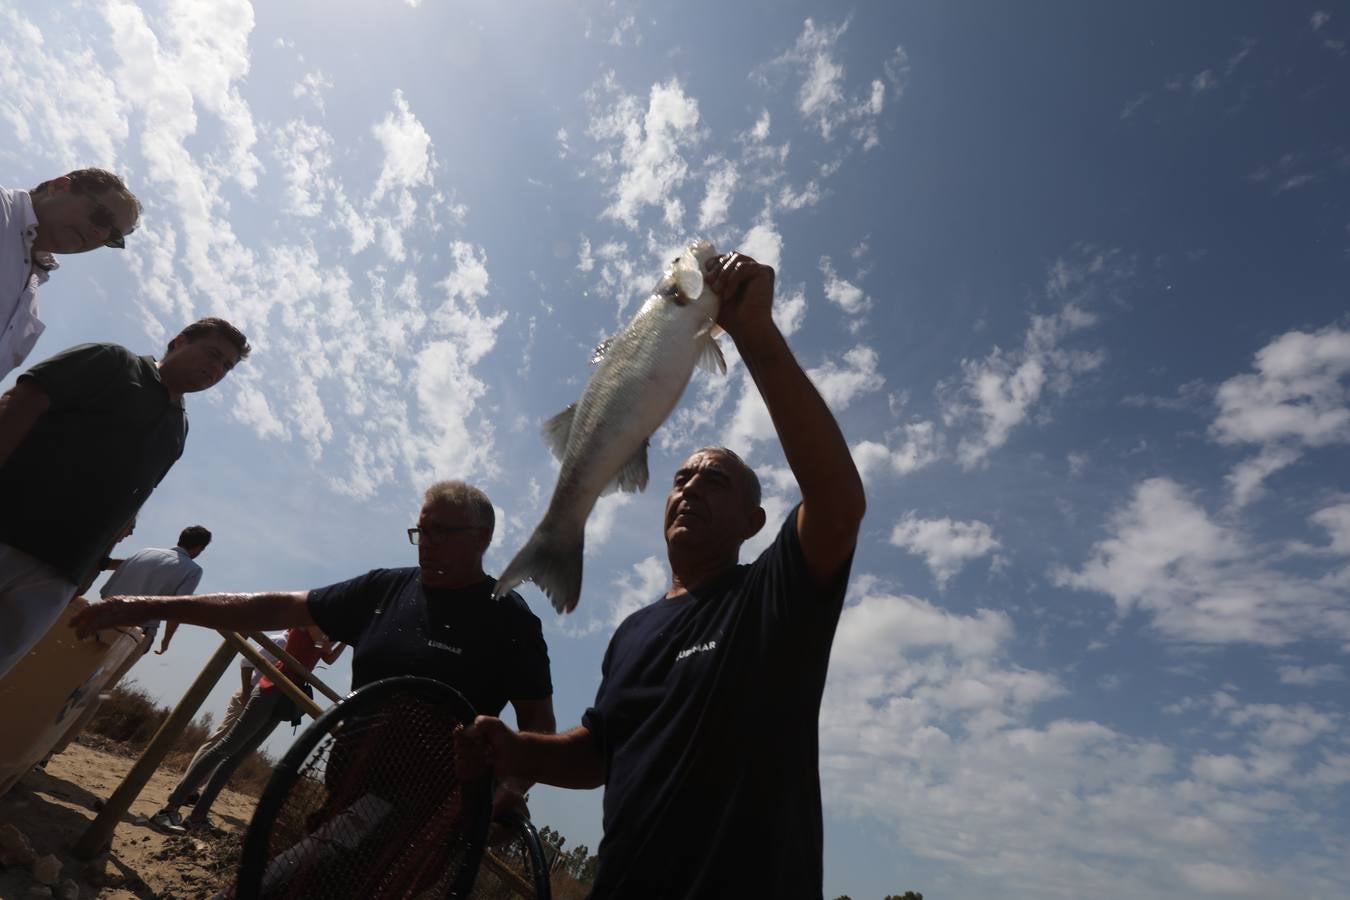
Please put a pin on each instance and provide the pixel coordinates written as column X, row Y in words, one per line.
column 697, row 648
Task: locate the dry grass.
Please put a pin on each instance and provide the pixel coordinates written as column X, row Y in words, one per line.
column 131, row 717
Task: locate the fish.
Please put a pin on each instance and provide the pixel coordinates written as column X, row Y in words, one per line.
column 601, row 440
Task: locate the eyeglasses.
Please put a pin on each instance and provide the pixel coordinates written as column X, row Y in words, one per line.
column 102, row 217
column 437, row 532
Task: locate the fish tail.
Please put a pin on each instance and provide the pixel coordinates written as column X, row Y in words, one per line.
column 552, row 560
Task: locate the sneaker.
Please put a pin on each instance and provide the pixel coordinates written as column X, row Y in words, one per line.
column 168, row 820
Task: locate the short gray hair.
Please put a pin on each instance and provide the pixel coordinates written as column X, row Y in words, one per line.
column 751, row 480
column 467, row 497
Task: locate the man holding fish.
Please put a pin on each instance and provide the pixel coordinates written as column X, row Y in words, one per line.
column 704, row 729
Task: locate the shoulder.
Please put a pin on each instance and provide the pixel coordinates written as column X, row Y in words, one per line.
column 515, row 611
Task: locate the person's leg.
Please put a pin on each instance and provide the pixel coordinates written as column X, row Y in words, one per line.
column 255, row 716
column 32, row 596
column 278, row 709
column 232, row 711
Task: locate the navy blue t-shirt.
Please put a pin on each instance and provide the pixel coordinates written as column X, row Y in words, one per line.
column 491, row 651
column 706, row 719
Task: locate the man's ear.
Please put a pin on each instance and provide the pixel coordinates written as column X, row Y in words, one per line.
column 757, row 519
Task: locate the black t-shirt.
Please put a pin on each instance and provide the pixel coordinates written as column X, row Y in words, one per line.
column 109, row 436
column 491, row 651
column 706, row 719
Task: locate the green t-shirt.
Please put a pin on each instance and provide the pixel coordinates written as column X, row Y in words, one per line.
column 109, row 436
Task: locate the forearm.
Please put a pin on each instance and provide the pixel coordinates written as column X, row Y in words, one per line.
column 533, row 716
column 169, row 629
column 812, row 442
column 569, row 760
column 230, row 612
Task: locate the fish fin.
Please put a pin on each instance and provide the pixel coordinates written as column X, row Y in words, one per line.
column 710, row 357
column 552, row 559
column 632, row 476
column 598, row 354
column 558, row 429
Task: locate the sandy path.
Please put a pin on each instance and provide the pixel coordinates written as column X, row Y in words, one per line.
column 54, row 807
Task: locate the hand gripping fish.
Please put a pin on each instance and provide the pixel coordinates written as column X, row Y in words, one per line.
column 601, row 440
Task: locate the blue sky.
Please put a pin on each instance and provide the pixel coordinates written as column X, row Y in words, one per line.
column 1073, row 277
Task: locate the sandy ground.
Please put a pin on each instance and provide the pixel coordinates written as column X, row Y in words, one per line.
column 54, row 807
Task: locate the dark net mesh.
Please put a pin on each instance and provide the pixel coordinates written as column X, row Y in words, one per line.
column 378, row 810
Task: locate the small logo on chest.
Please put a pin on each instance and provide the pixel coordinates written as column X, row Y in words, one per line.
column 439, row 646
column 697, row 648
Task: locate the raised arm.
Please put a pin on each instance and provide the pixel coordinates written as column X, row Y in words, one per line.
column 225, row 612
column 20, row 408
column 833, row 502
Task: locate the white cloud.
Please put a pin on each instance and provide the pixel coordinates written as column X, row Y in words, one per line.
column 650, row 167
column 305, row 153
column 625, row 33
column 585, row 261
column 1203, row 81
column 1201, row 581
column 1318, row 19
column 790, row 198
column 839, row 384
column 1245, row 480
column 722, row 178
column 946, row 545
column 1309, row 676
column 642, row 586
column 927, row 730
column 1002, row 390
column 764, row 244
column 600, row 523
column 312, row 86
column 1297, row 399
column 89, row 125
column 919, row 446
column 823, row 98
column 408, row 160
column 789, row 312
column 841, row 292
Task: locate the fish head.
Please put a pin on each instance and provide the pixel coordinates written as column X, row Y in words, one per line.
column 683, row 281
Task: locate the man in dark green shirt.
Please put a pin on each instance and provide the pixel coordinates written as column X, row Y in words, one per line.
column 85, row 436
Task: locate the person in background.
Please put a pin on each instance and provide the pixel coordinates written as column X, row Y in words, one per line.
column 164, row 573
column 267, row 707
column 77, row 212
column 85, row 437
column 436, row 620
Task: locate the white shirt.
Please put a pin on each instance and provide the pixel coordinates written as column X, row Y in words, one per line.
column 278, row 638
column 154, row 573
column 20, row 326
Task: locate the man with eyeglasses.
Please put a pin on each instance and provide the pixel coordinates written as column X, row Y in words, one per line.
column 78, row 212
column 437, row 620
column 85, row 437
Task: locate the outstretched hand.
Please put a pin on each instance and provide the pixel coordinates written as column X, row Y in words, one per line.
column 111, row 613
column 745, row 288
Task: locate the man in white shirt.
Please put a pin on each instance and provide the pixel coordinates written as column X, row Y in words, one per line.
column 160, row 573
column 75, row 213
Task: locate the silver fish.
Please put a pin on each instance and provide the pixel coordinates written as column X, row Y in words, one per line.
column 601, row 440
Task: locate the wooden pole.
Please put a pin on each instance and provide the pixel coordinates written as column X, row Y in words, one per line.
column 292, row 663
column 265, row 665
column 507, row 874
column 98, row 836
